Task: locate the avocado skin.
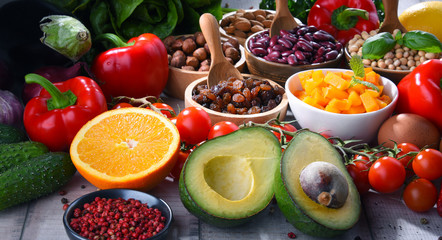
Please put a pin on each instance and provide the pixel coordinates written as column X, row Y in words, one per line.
column 197, row 211
column 35, row 178
column 292, row 211
column 13, row 154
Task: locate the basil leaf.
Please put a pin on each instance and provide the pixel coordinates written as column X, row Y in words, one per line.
column 420, row 40
column 377, row 46
column 357, row 66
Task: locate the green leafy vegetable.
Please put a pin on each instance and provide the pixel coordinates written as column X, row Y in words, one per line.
column 298, row 8
column 420, row 40
column 357, row 67
column 377, row 46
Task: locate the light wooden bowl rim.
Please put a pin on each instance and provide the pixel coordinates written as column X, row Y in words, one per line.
column 280, row 107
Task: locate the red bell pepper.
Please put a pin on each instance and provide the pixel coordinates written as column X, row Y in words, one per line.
column 57, row 114
column 135, row 69
column 420, row 92
column 344, row 18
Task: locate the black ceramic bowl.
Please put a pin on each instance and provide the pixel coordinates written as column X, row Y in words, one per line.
column 151, row 201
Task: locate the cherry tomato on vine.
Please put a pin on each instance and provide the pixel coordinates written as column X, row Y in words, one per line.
column 358, row 170
column 222, row 128
column 420, row 195
column 122, row 105
column 193, row 124
column 287, row 127
column 428, row 164
column 406, row 161
column 386, row 175
column 166, row 111
column 182, row 157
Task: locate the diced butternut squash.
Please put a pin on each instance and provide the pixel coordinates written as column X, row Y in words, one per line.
column 332, row 92
column 354, row 98
column 319, row 97
column 303, row 76
column 339, row 104
column 369, row 102
column 372, row 77
column 372, row 92
column 336, row 81
column 330, row 108
column 347, row 75
column 355, row 110
column 359, row 88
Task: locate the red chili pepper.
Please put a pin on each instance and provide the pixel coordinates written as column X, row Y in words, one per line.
column 344, row 18
column 420, row 92
column 57, row 114
column 136, row 69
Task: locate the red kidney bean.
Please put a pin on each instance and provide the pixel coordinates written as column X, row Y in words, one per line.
column 256, row 45
column 322, row 35
column 283, row 32
column 292, row 38
column 307, row 55
column 308, row 36
column 331, row 55
column 302, row 31
column 265, row 40
column 319, row 60
column 315, row 45
column 321, row 51
column 260, row 52
column 291, row 59
column 328, row 44
column 286, row 53
column 338, row 46
column 274, row 54
column 299, row 55
column 286, row 43
column 304, row 46
column 279, row 48
column 282, row 60
column 312, row 29
column 273, row 41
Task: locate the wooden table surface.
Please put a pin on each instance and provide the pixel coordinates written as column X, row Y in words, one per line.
column 384, row 216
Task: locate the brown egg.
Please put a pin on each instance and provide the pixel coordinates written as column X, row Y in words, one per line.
column 409, row 128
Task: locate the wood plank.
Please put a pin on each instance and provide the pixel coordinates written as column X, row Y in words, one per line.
column 12, row 221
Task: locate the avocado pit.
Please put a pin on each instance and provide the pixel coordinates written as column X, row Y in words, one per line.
column 324, row 183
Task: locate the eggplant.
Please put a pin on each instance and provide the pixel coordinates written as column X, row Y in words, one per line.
column 20, row 47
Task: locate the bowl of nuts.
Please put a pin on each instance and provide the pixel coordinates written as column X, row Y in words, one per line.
column 299, row 49
column 116, row 212
column 242, row 23
column 395, row 64
column 189, row 59
column 239, row 100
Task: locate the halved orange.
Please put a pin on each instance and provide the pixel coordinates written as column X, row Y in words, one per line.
column 132, row 148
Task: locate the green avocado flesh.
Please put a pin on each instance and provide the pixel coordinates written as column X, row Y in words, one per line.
column 229, row 179
column 301, row 211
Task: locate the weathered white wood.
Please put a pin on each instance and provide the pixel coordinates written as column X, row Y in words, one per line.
column 12, row 221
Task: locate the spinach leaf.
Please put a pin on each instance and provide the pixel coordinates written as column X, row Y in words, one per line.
column 420, row 40
column 377, row 46
column 123, row 9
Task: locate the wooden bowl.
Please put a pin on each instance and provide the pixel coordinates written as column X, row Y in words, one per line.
column 280, row 72
column 179, row 79
column 242, row 40
column 393, row 75
column 216, row 117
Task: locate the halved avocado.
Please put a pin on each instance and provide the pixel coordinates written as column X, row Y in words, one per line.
column 302, row 211
column 229, row 179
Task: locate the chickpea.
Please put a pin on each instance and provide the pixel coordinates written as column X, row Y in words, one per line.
column 396, row 63
column 360, row 42
column 417, row 58
column 403, row 61
column 373, row 32
column 406, row 54
column 391, row 67
column 418, row 63
column 357, row 36
column 421, row 53
column 382, row 64
column 389, row 55
column 351, row 42
column 365, row 35
column 397, row 46
column 404, row 67
column 374, row 64
column 353, row 48
column 430, row 55
column 389, row 61
column 399, row 54
column 422, row 59
column 398, row 68
column 412, row 68
column 411, row 63
column 410, row 58
column 406, row 49
column 366, row 62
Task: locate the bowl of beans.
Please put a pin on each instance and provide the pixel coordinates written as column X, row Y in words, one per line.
column 117, row 213
column 302, row 48
column 242, row 23
column 189, row 59
column 396, row 63
column 324, row 100
column 239, row 100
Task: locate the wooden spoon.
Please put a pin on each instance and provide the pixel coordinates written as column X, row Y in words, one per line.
column 391, row 20
column 220, row 68
column 283, row 18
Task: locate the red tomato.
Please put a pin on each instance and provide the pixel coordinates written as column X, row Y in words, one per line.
column 287, row 127
column 194, row 125
column 406, row 161
column 428, row 164
column 166, row 108
column 420, row 195
column 182, row 157
column 222, row 128
column 122, row 105
column 386, row 175
column 359, row 172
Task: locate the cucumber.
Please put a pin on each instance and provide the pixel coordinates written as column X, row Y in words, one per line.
column 12, row 154
column 35, row 178
column 11, row 134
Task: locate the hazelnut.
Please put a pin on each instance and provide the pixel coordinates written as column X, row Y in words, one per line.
column 204, row 68
column 260, row 12
column 177, row 44
column 206, row 62
column 232, row 53
column 267, row 23
column 234, row 42
column 199, row 39
column 260, row 18
column 189, row 46
column 230, row 60
column 239, row 33
column 178, row 61
column 256, row 28
column 192, row 61
column 254, row 22
column 168, row 41
column 169, row 58
column 229, row 29
column 243, row 25
column 224, row 22
column 226, row 45
column 249, row 15
column 188, row 68
column 179, row 53
column 200, row 54
column 206, row 47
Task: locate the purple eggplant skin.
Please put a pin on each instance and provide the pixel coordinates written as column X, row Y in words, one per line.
column 20, row 45
column 11, row 109
column 53, row 74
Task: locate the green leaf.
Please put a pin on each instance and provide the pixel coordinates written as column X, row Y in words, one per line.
column 377, row 46
column 355, row 81
column 357, row 66
column 420, row 40
column 123, row 9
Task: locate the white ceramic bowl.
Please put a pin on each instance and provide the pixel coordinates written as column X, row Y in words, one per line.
column 363, row 126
